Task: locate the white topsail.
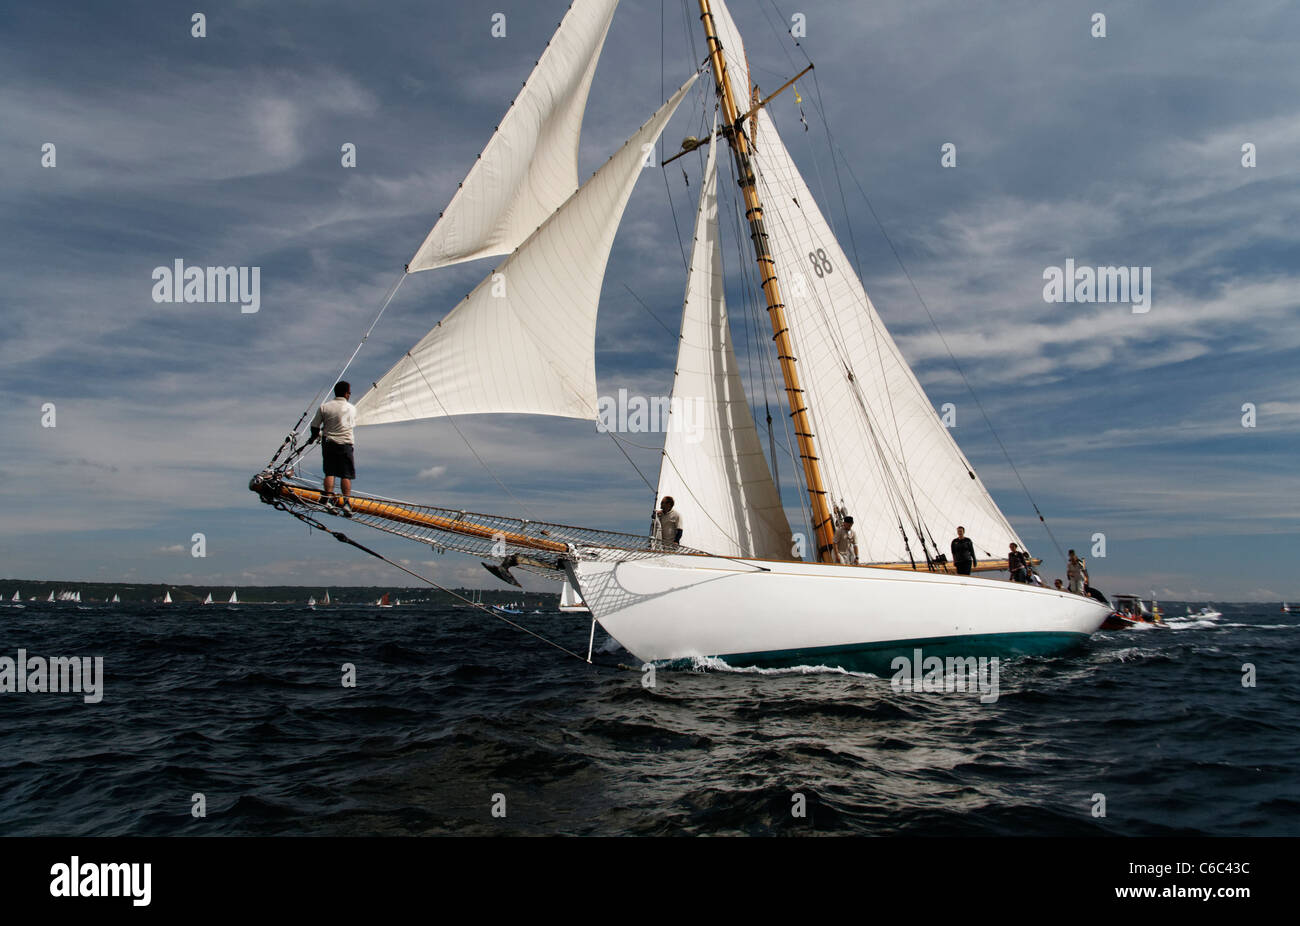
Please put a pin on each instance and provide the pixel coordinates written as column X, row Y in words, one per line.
column 883, row 449
column 713, row 462
column 530, row 165
column 524, row 341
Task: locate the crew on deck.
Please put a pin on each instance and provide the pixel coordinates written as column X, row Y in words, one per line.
column 846, row 542
column 668, row 521
column 963, row 553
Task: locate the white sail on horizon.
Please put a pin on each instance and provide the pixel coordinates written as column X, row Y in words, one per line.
column 524, row 341
column 530, row 165
column 713, row 463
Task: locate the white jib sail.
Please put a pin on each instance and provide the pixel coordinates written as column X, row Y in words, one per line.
column 524, row 341
column 883, row 448
column 530, row 165
column 713, row 464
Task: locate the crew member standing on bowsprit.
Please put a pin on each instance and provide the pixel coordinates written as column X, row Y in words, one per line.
column 333, row 423
column 963, row 553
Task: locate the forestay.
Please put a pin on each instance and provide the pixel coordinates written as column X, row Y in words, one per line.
column 524, row 341
column 713, row 463
column 530, row 165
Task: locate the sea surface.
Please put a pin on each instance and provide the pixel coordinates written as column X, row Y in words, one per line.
column 455, row 715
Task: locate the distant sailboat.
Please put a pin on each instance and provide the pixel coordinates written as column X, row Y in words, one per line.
column 570, row 600
column 311, row 602
column 51, row 598
column 15, row 597
column 1286, row 608
column 208, row 600
column 116, row 600
column 383, row 601
column 234, row 599
column 167, row 598
column 326, row 599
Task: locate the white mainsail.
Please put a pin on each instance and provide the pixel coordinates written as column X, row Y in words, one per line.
column 116, row 599
column 208, row 600
column 713, row 463
column 884, row 451
column 524, row 340
column 234, row 599
column 167, row 597
column 530, row 165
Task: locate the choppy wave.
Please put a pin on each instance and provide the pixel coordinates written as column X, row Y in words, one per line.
column 449, row 709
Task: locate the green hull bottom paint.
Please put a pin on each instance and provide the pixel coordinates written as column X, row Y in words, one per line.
column 876, row 657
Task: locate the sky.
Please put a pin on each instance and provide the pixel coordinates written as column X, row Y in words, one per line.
column 224, row 150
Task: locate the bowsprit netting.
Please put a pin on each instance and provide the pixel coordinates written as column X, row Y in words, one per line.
column 539, row 546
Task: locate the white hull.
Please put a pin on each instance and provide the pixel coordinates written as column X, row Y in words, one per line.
column 684, row 607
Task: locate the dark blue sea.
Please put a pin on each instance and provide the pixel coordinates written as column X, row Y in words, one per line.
column 245, row 706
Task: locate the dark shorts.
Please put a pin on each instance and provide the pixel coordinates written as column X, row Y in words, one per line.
column 963, row 566
column 338, row 460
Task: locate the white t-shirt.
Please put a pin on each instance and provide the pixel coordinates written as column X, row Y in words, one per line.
column 670, row 522
column 336, row 419
column 846, row 545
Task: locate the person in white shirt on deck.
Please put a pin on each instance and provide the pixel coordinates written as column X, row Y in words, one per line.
column 333, row 424
column 846, row 542
column 668, row 521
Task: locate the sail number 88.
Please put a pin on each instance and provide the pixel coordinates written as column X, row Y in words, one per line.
column 821, row 264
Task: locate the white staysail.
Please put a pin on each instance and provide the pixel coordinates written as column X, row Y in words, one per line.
column 530, row 165
column 713, row 464
column 883, row 449
column 524, row 340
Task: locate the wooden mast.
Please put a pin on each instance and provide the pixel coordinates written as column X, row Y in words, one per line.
column 823, row 526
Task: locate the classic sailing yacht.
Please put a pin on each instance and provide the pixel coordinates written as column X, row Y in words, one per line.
column 868, row 440
column 234, row 599
column 167, row 597
column 208, row 600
